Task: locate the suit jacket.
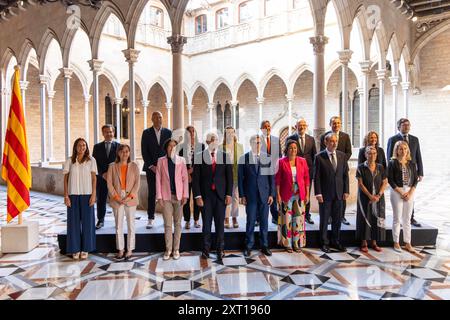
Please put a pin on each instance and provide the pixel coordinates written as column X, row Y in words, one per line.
column 183, row 148
column 414, row 147
column 99, row 153
column 150, row 148
column 283, row 178
column 132, row 184
column 252, row 182
column 274, row 143
column 330, row 184
column 381, row 157
column 163, row 179
column 344, row 144
column 310, row 150
column 202, row 177
column 395, row 175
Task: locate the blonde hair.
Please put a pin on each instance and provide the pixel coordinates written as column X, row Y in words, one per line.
column 396, row 146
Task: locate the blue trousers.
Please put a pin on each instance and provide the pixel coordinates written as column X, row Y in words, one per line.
column 80, row 225
column 257, row 210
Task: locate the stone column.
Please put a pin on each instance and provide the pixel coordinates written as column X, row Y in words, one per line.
column 381, row 75
column 50, row 96
column 87, row 99
column 260, row 101
column 177, row 42
column 169, row 108
column 96, row 68
column 43, row 84
column 189, row 108
column 319, row 43
column 2, row 111
column 289, row 99
column 344, row 57
column 234, row 104
column 145, row 104
column 361, row 94
column 211, row 108
column 67, row 73
column 23, row 89
column 118, row 103
column 405, row 87
column 131, row 56
column 394, row 83
column 364, row 101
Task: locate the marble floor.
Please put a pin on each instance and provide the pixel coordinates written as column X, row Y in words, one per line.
column 46, row 274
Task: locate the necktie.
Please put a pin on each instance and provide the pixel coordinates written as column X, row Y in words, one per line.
column 405, row 138
column 302, row 144
column 333, row 161
column 213, row 163
column 268, row 145
column 108, row 148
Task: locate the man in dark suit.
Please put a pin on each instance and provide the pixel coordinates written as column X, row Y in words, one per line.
column 344, row 145
column 331, row 187
column 212, row 186
column 256, row 191
column 403, row 126
column 306, row 147
column 270, row 145
column 152, row 143
column 104, row 153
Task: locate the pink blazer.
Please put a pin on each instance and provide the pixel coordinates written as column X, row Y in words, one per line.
column 163, row 180
column 283, row 178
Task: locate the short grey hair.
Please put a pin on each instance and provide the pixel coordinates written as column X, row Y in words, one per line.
column 210, row 135
column 368, row 148
column 329, row 135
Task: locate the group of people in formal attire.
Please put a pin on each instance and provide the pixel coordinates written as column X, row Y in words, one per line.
column 214, row 178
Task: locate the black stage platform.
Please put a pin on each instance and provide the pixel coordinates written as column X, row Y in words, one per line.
column 191, row 240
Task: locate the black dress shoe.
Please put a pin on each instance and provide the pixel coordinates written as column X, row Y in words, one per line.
column 344, row 221
column 266, row 251
column 257, row 224
column 247, row 253
column 99, row 225
column 339, row 247
column 220, row 254
column 309, row 220
column 205, row 255
column 325, row 248
column 415, row 223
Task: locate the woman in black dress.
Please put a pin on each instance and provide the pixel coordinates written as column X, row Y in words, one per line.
column 370, row 219
column 371, row 139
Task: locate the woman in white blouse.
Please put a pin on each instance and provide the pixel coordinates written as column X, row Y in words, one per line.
column 80, row 172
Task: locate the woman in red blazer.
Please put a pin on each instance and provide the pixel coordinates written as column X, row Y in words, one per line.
column 292, row 183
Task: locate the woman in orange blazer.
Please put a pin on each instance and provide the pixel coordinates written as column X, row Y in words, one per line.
column 292, row 183
column 172, row 191
column 123, row 181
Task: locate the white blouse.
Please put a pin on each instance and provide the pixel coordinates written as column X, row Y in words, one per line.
column 80, row 181
column 294, row 173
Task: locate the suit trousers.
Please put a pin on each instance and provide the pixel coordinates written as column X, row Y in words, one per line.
column 214, row 208
column 80, row 225
column 402, row 211
column 102, row 195
column 187, row 207
column 233, row 208
column 253, row 210
column 172, row 211
column 151, row 183
column 119, row 215
column 331, row 209
column 308, row 206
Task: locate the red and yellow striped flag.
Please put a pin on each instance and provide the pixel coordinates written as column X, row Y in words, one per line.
column 16, row 169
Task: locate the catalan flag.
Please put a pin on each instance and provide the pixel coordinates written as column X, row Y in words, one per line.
column 16, row 169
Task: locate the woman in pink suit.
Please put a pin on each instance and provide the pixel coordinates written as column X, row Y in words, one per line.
column 172, row 192
column 292, row 183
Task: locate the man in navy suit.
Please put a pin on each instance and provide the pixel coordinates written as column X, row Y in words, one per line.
column 306, row 146
column 344, row 145
column 403, row 126
column 212, row 185
column 270, row 145
column 104, row 153
column 256, row 191
column 152, row 143
column 331, row 187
